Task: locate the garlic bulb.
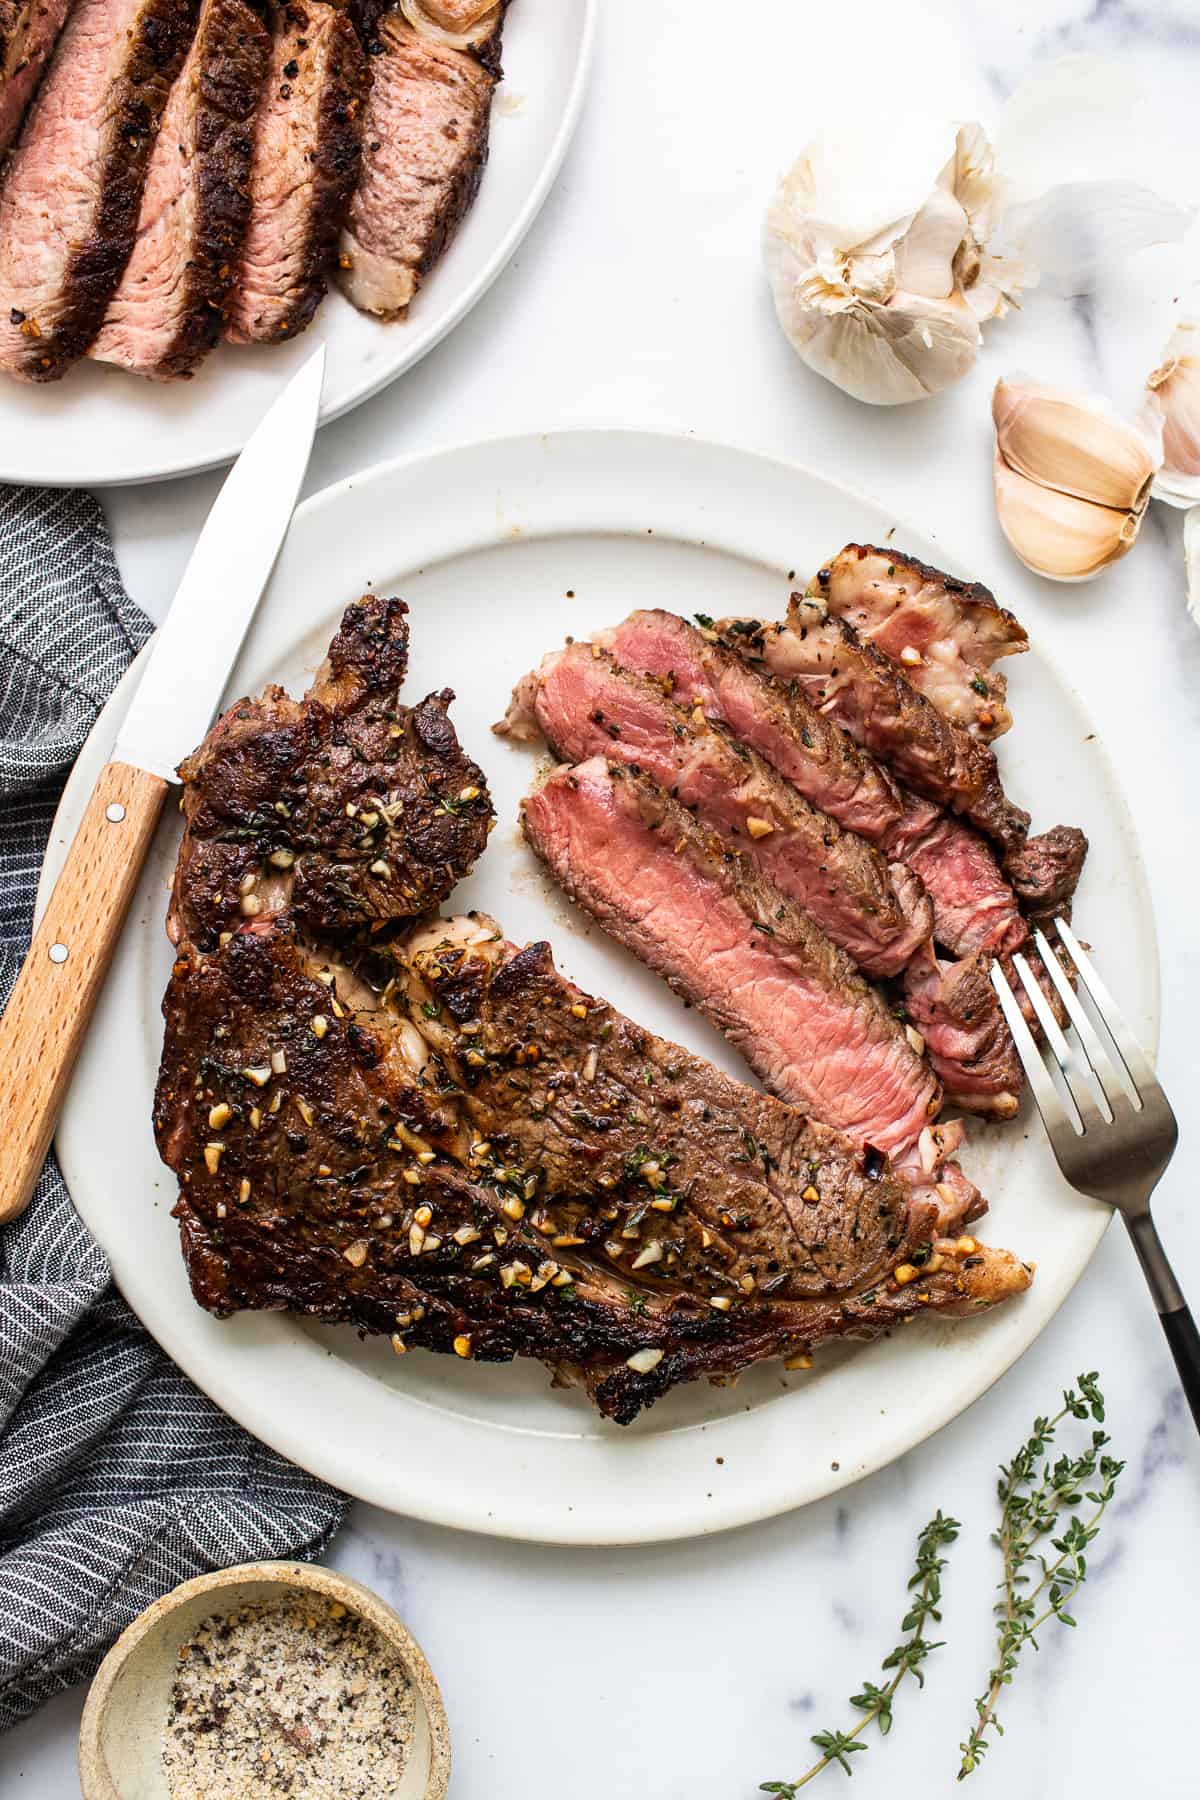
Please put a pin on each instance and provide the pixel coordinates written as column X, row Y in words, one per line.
column 1173, row 402
column 1072, row 481
column 875, row 309
column 883, row 267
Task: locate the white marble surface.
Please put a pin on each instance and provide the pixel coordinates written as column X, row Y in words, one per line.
column 698, row 1670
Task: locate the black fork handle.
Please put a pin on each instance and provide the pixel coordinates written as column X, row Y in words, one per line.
column 1173, row 1310
column 1184, row 1340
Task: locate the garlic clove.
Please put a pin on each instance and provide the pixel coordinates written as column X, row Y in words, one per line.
column 1060, row 535
column 1173, row 400
column 1070, row 443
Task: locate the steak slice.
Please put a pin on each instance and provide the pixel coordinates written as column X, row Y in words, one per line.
column 425, row 146
column 474, row 25
column 166, row 313
column 945, row 633
column 721, row 936
column 70, row 202
column 974, row 908
column 1045, row 872
column 329, row 1175
column 853, row 682
column 29, row 30
column 811, row 751
column 348, row 808
column 954, row 1007
column 306, row 158
column 586, row 705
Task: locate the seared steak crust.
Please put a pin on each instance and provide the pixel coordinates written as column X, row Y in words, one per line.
column 587, row 705
column 353, row 810
column 813, row 752
column 305, row 164
column 425, row 146
column 167, row 312
column 1045, row 871
column 29, row 30
column 790, row 1001
column 945, row 633
column 305, row 1187
column 70, row 202
column 850, row 680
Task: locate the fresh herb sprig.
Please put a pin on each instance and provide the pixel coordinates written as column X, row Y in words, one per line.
column 1034, row 1494
column 875, row 1703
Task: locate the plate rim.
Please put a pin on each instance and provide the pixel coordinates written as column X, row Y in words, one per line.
column 375, row 382
column 892, row 1442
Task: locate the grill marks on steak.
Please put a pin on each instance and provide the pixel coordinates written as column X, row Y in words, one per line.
column 424, row 148
column 853, row 682
column 306, row 159
column 820, row 759
column 945, row 633
column 29, row 30
column 754, row 963
column 349, row 808
column 586, row 705
column 318, row 1201
column 70, row 202
column 167, row 311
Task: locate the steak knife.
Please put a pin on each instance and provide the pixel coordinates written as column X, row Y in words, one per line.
column 56, row 991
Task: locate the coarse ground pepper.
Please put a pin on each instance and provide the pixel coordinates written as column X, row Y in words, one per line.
column 297, row 1696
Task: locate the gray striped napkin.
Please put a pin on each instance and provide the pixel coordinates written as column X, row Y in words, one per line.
column 117, row 1478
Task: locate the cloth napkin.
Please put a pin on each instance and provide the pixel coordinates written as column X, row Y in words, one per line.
column 118, row 1479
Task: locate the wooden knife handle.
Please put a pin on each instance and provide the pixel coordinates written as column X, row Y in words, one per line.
column 51, row 1004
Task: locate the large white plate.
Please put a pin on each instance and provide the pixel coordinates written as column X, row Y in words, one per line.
column 502, row 549
column 101, row 426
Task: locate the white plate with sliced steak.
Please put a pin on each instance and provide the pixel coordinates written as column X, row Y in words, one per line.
column 526, row 1135
column 358, row 175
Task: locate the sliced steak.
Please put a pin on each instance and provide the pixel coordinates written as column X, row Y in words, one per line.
column 1045, row 872
column 974, row 908
column 329, row 1175
column 70, row 202
column 811, row 751
column 954, row 1007
column 945, row 633
column 347, row 807
column 29, row 30
column 305, row 164
column 587, row 705
column 474, row 25
column 730, row 944
column 851, row 681
column 167, row 311
column 424, row 149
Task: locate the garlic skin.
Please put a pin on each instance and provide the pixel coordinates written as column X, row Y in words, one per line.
column 1173, row 403
column 889, row 243
column 1191, row 553
column 1072, row 481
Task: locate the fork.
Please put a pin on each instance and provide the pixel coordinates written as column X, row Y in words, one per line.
column 1110, row 1124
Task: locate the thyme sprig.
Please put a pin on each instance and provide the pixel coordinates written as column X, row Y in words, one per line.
column 1033, row 1495
column 875, row 1703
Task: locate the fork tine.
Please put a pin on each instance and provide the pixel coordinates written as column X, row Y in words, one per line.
column 1054, row 1113
column 1069, row 1060
column 1094, row 1054
column 1128, row 1052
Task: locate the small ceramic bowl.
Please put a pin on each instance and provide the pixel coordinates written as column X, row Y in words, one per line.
column 120, row 1740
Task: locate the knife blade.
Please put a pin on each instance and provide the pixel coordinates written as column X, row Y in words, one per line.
column 228, row 570
column 52, row 1001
